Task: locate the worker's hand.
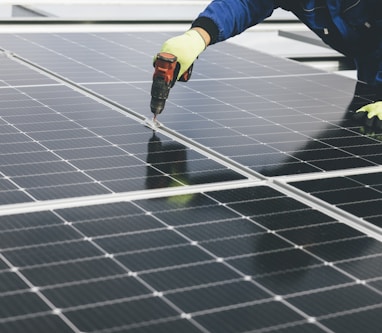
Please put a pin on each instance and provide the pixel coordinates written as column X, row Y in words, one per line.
column 186, row 48
column 371, row 113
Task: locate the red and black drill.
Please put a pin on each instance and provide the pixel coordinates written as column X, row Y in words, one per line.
column 164, row 78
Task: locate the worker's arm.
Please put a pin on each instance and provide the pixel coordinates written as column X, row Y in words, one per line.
column 220, row 20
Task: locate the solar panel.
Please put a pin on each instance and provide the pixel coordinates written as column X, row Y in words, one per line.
column 234, row 216
column 276, row 117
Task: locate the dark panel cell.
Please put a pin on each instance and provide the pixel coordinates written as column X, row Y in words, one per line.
column 52, row 253
column 115, row 119
column 91, row 292
column 227, row 228
column 342, row 163
column 287, row 168
column 36, row 118
column 3, row 265
column 319, row 234
column 293, row 219
column 40, row 127
column 13, row 197
column 140, row 241
column 62, row 135
column 196, row 215
column 120, row 314
column 340, row 196
column 53, row 179
column 336, row 300
column 73, row 143
column 302, row 328
column 245, row 245
column 267, row 206
column 347, row 249
column 280, row 261
column 161, row 258
column 254, row 317
column 47, row 323
column 9, row 281
column 70, row 272
column 28, row 169
column 28, row 157
column 24, row 147
column 67, row 191
column 317, row 148
column 371, row 179
column 183, row 277
column 303, row 280
column 216, row 174
column 365, row 150
column 37, row 236
column 7, row 128
column 376, row 284
column 117, row 225
column 99, row 212
column 216, row 296
column 21, row 304
column 364, row 268
column 21, row 221
column 349, row 141
column 107, row 162
column 247, row 150
column 364, row 209
column 375, row 220
column 13, row 138
column 175, row 202
column 82, row 153
column 179, row 325
column 245, row 194
column 325, row 184
column 368, row 320
column 121, row 173
column 141, row 183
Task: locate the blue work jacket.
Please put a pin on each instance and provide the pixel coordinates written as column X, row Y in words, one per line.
column 352, row 27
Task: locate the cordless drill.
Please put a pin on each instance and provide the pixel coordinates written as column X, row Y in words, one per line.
column 165, row 75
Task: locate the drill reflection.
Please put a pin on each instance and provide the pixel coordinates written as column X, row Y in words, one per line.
column 167, row 164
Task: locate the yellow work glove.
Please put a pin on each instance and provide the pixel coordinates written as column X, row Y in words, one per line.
column 372, row 114
column 186, row 48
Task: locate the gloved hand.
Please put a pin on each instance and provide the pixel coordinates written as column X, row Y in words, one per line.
column 372, row 113
column 186, row 48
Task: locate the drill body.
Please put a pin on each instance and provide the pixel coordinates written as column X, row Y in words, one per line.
column 165, row 75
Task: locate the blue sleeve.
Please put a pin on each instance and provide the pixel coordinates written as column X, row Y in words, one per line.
column 234, row 16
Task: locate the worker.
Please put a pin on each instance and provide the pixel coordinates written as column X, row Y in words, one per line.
column 352, row 27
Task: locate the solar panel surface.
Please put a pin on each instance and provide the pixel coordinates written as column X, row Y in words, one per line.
column 107, row 226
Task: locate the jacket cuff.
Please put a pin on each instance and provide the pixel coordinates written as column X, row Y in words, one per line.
column 208, row 25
